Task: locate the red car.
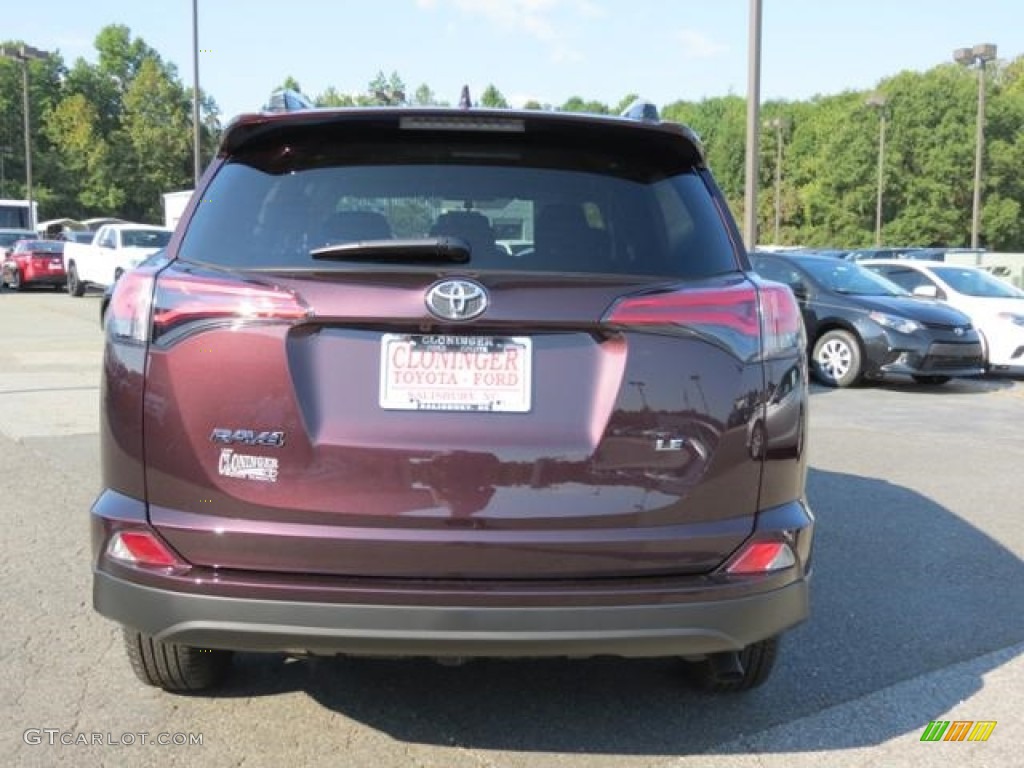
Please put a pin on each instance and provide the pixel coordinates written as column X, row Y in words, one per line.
column 35, row 262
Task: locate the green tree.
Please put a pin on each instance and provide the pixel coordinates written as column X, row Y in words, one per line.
column 929, row 156
column 577, row 104
column 424, row 96
column 721, row 124
column 492, row 98
column 83, row 155
column 120, row 56
column 157, row 127
column 333, row 98
column 289, row 84
column 119, row 133
column 386, row 91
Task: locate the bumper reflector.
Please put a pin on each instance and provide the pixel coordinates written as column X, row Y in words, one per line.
column 762, row 557
column 141, row 548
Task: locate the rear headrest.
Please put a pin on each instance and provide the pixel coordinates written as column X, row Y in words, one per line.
column 560, row 219
column 561, row 227
column 564, row 239
column 471, row 226
column 346, row 226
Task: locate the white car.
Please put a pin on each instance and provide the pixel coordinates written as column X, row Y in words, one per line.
column 114, row 250
column 996, row 307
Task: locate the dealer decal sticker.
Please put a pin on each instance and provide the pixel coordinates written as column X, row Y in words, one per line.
column 244, row 467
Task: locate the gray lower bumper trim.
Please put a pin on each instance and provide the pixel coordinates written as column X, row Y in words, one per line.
column 414, row 630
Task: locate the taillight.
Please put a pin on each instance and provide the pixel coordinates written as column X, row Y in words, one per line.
column 733, row 307
column 740, row 316
column 762, row 557
column 142, row 548
column 184, row 300
column 127, row 317
column 783, row 323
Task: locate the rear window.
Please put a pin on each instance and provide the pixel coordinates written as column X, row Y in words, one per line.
column 519, row 204
column 144, row 238
column 43, row 246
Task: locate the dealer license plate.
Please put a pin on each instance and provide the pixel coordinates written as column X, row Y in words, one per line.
column 455, row 373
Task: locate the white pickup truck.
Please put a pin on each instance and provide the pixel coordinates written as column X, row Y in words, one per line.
column 115, row 249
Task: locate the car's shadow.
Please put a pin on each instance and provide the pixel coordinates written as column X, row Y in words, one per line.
column 900, row 589
column 974, row 385
column 964, row 386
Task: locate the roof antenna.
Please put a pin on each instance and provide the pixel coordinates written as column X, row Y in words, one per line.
column 641, row 109
column 464, row 101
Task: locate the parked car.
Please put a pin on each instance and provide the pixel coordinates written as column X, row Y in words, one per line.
column 868, row 254
column 59, row 229
column 996, row 308
column 944, row 254
column 835, row 253
column 34, row 262
column 84, row 236
column 115, row 249
column 336, row 418
column 8, row 237
column 860, row 325
column 102, row 221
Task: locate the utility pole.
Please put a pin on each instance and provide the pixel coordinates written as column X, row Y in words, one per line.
column 25, row 54
column 753, row 124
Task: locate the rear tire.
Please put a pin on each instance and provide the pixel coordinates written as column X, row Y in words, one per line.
column 175, row 668
column 75, row 286
column 837, row 359
column 932, row 381
column 14, row 283
column 758, row 660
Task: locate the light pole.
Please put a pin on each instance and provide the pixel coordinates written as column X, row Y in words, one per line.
column 4, row 152
column 25, row 54
column 969, row 57
column 753, row 123
column 877, row 101
column 779, row 125
column 196, row 158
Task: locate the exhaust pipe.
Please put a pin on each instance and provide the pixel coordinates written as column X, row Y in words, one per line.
column 727, row 667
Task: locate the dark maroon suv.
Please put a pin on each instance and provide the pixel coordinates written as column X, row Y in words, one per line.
column 341, row 415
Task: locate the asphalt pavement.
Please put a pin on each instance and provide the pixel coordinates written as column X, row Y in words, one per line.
column 917, row 613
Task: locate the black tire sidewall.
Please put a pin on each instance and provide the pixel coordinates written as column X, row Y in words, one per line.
column 74, row 284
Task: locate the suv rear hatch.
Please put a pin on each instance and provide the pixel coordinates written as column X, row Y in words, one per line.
column 347, row 376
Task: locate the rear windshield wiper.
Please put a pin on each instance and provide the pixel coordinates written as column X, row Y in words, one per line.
column 427, row 249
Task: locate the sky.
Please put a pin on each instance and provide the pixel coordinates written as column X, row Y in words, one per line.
column 547, row 50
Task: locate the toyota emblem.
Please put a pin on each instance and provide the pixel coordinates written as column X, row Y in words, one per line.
column 958, row 331
column 456, row 299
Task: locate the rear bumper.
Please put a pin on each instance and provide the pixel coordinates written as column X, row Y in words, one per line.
column 309, row 613
column 42, row 277
column 445, row 630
